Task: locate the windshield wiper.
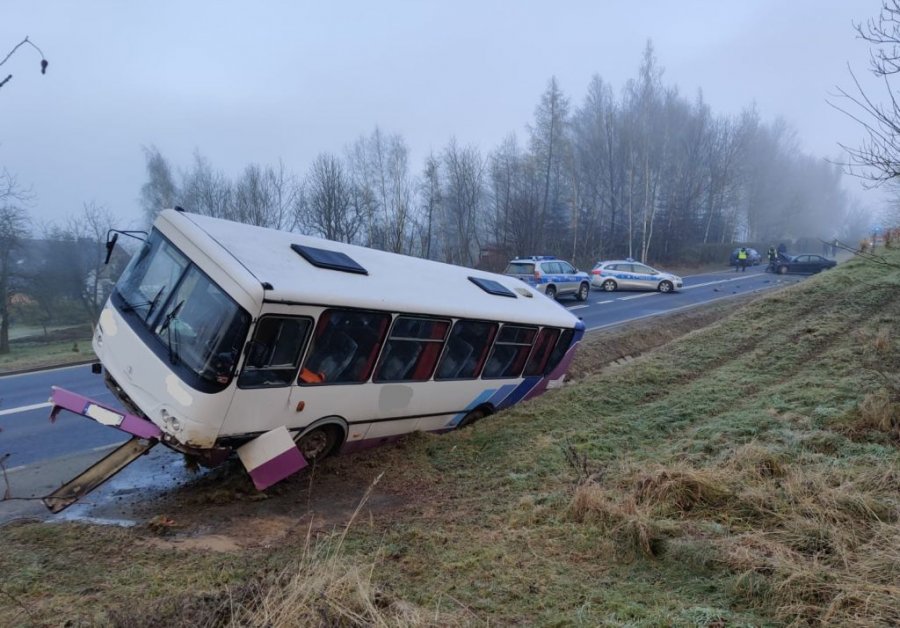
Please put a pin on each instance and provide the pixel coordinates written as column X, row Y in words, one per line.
column 129, row 307
column 168, row 327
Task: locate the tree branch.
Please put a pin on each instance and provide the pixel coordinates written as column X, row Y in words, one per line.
column 44, row 62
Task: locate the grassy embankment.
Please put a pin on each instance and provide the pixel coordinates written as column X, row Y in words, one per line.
column 748, row 473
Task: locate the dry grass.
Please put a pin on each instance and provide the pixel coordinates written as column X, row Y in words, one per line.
column 879, row 411
column 328, row 588
column 815, row 545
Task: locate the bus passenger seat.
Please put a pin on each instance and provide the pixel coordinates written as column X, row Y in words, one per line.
column 339, row 353
column 400, row 362
column 457, row 356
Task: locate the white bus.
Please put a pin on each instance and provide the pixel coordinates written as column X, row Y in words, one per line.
column 222, row 336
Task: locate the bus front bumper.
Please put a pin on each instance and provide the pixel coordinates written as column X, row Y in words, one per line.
column 269, row 458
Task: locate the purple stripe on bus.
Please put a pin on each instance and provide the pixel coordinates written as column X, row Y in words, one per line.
column 558, row 372
column 278, row 468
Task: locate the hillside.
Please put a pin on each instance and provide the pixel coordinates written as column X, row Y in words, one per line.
column 744, row 474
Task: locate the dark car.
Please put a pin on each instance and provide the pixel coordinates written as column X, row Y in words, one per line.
column 753, row 257
column 807, row 264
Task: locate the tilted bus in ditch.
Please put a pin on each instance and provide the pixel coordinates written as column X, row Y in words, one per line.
column 223, row 337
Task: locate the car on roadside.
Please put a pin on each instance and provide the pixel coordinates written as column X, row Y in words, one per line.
column 753, row 257
column 554, row 277
column 630, row 275
column 807, row 264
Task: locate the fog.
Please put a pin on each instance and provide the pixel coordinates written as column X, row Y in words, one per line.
column 257, row 83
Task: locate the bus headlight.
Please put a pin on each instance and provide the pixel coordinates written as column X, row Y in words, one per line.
column 171, row 423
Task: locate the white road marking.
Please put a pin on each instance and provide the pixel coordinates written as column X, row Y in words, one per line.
column 576, row 307
column 710, row 283
column 664, row 312
column 34, row 406
column 638, row 296
column 607, row 301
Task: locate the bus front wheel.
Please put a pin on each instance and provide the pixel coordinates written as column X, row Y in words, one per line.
column 318, row 443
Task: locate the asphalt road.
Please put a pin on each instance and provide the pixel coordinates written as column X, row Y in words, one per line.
column 32, row 442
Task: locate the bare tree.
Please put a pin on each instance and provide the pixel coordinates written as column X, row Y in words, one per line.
column 203, row 190
column 96, row 278
column 877, row 159
column 549, row 145
column 160, row 190
column 463, row 201
column 379, row 170
column 328, row 208
column 14, row 227
column 430, row 192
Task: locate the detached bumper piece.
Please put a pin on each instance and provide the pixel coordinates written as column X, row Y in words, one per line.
column 145, row 435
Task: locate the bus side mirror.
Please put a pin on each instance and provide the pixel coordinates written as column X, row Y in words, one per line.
column 110, row 245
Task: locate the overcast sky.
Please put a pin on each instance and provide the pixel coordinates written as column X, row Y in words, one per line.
column 257, row 82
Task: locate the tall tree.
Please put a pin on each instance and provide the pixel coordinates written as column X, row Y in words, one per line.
column 548, row 146
column 430, row 194
column 14, row 227
column 463, row 200
column 328, row 208
column 160, row 191
column 93, row 276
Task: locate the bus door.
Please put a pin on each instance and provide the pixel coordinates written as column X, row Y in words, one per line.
column 271, row 362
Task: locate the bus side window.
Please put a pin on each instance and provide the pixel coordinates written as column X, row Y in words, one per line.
column 344, row 348
column 543, row 347
column 412, row 350
column 467, row 348
column 273, row 355
column 510, row 352
column 562, row 345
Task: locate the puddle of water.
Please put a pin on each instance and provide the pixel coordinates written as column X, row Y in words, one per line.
column 116, row 502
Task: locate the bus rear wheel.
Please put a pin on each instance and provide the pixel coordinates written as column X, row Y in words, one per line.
column 318, row 443
column 475, row 415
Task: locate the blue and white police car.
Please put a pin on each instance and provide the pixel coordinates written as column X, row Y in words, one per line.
column 631, row 275
column 554, row 277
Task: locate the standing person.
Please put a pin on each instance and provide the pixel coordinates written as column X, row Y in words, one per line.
column 773, row 256
column 742, row 260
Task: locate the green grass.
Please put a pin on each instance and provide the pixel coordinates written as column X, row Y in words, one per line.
column 745, row 474
column 23, row 356
column 30, row 348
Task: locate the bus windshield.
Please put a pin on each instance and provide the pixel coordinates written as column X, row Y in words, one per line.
column 182, row 315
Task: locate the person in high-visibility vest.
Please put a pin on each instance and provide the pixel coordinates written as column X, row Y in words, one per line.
column 742, row 260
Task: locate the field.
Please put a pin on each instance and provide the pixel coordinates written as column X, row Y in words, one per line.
column 31, row 348
column 746, row 473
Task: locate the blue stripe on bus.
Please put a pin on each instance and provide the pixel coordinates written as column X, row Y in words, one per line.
column 480, row 399
column 521, row 390
column 501, row 394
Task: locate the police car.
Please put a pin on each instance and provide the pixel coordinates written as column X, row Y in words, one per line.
column 554, row 277
column 631, row 275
